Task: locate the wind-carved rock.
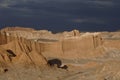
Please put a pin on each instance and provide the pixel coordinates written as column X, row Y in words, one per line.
column 33, row 47
column 24, row 51
column 71, row 54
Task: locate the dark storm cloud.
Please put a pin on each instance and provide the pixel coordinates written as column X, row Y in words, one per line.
column 59, row 14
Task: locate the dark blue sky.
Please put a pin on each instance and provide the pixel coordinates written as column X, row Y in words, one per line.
column 60, row 15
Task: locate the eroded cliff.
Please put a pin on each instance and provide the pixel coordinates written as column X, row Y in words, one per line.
column 78, row 53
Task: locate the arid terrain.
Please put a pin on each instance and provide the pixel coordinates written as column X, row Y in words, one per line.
column 29, row 54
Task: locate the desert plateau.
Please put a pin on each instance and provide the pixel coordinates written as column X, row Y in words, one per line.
column 29, row 54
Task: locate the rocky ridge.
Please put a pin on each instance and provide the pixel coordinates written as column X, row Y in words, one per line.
column 84, row 52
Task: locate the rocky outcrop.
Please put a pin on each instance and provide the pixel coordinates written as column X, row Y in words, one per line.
column 24, row 50
column 28, row 54
column 72, row 43
column 79, row 46
column 71, row 33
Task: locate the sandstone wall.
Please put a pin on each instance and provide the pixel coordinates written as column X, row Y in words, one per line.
column 3, row 38
column 70, row 47
column 27, row 52
column 112, row 44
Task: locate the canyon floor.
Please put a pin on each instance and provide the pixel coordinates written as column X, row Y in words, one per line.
column 28, row 54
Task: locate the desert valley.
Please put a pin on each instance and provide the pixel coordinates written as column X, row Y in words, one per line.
column 29, row 54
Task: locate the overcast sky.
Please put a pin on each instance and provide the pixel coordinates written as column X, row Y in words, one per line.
column 59, row 15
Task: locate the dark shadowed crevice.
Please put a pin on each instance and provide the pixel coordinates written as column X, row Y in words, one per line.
column 53, row 62
column 11, row 53
column 58, row 62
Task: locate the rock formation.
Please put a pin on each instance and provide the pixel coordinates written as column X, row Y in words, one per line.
column 25, row 47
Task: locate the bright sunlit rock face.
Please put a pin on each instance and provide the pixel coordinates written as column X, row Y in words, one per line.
column 29, row 54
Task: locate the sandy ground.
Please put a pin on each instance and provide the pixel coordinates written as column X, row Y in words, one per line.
column 88, row 69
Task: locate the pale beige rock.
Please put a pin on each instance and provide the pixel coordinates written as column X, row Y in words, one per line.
column 25, row 52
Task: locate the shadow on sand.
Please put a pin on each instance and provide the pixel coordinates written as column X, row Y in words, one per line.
column 57, row 62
